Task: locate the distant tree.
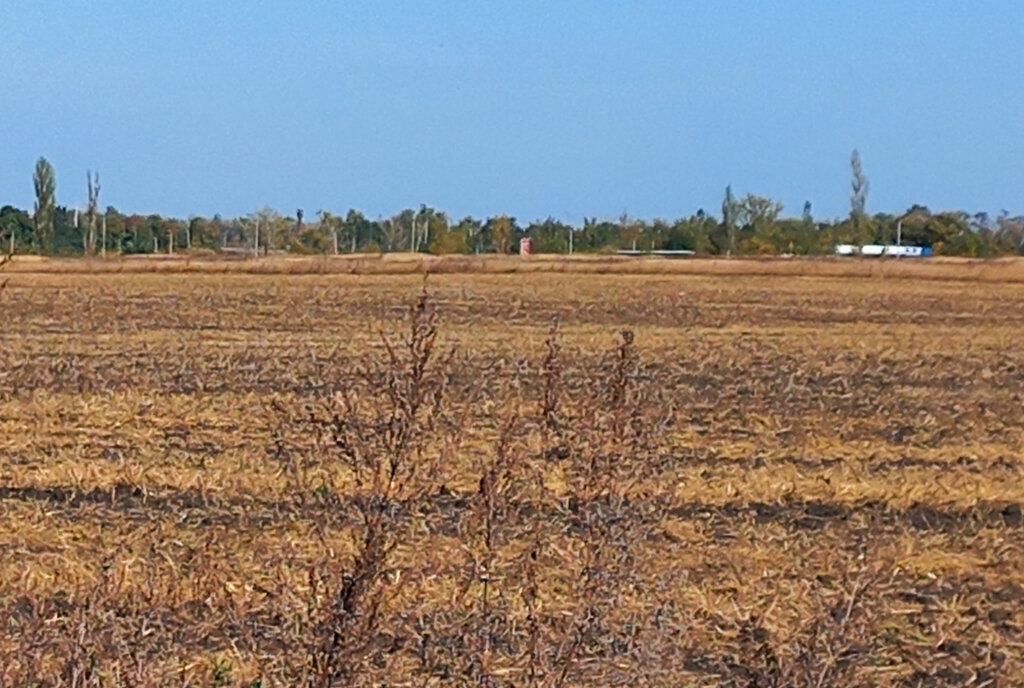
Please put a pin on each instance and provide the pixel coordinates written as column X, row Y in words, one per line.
column 113, row 229
column 859, row 186
column 421, row 221
column 730, row 212
column 759, row 212
column 692, row 233
column 133, row 237
column 760, row 215
column 549, row 236
column 236, row 232
column 501, row 230
column 267, row 225
column 473, row 229
column 395, row 230
column 808, row 217
column 252, row 230
column 330, row 225
column 446, row 240
column 360, row 232
column 1009, row 231
column 949, row 233
column 67, row 235
column 946, row 233
column 655, row 233
column 15, row 229
column 46, row 188
column 203, row 233
column 630, row 231
column 93, row 188
column 164, row 228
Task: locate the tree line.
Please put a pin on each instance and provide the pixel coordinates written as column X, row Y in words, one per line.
column 747, row 225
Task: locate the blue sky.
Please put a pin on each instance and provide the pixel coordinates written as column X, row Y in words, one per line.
column 536, row 109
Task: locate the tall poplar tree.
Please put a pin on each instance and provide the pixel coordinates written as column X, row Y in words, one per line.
column 46, row 205
column 859, row 192
column 93, row 181
column 729, row 213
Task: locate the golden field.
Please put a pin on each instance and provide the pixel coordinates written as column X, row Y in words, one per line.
column 998, row 270
column 787, row 473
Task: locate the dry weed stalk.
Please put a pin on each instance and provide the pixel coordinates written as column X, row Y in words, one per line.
column 378, row 449
column 603, row 449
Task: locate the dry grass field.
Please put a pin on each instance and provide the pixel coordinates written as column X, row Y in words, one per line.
column 540, row 479
column 1001, row 270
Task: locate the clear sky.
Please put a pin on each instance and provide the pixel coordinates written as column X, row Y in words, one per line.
column 533, row 108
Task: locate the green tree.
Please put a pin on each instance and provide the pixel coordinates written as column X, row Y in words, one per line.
column 115, row 229
column 325, row 237
column 692, row 233
column 1009, row 232
column 549, row 236
column 139, row 234
column 473, row 229
column 203, row 233
column 597, row 236
column 15, row 230
column 808, row 217
column 859, row 186
column 93, row 187
column 360, row 232
column 655, row 234
column 67, row 235
column 445, row 240
column 759, row 212
column 730, row 212
column 268, row 229
column 45, row 182
column 630, row 231
column 501, row 230
column 760, row 215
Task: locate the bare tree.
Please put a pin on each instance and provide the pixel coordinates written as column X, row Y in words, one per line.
column 269, row 221
column 393, row 230
column 254, row 224
column 329, row 223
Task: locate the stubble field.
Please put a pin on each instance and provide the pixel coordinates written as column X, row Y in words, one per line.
column 245, row 479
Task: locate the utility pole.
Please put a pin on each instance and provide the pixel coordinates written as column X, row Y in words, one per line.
column 103, row 246
column 899, row 232
column 571, row 232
